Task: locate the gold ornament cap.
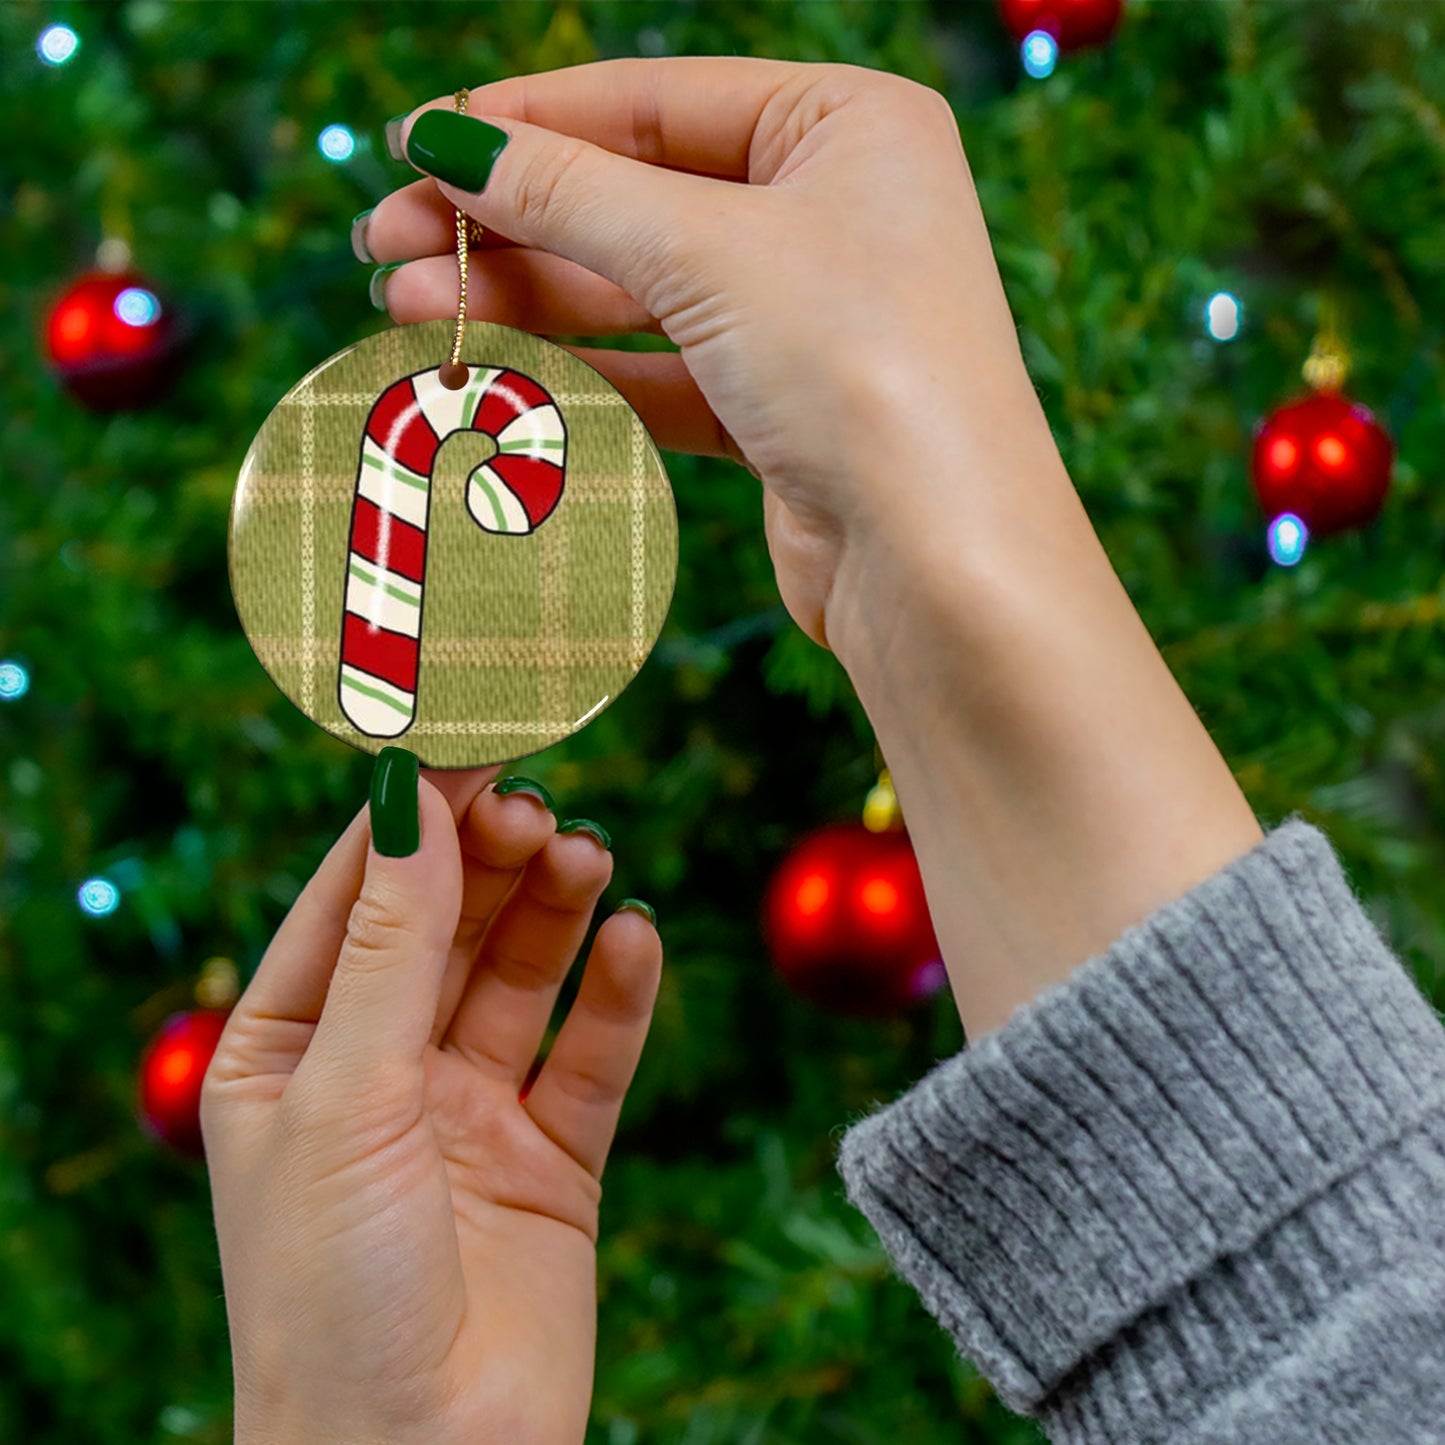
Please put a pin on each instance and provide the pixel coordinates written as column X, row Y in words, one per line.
column 881, row 813
column 219, row 985
column 1328, row 365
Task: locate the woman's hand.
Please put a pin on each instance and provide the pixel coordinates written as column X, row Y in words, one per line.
column 407, row 1245
column 810, row 237
column 841, row 306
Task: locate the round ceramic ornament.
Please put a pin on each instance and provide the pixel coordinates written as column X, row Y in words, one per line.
column 459, row 540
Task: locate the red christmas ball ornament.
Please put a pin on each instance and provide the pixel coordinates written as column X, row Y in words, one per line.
column 1324, row 458
column 1073, row 23
column 847, row 923
column 111, row 341
column 171, row 1072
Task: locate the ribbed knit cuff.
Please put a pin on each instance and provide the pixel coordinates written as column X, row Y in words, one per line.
column 1188, row 1126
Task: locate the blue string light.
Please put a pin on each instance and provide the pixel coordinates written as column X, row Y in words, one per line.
column 1040, row 53
column 98, row 897
column 137, row 307
column 14, row 681
column 57, row 44
column 1287, row 538
column 336, row 143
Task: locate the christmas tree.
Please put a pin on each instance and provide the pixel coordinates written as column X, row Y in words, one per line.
column 1179, row 214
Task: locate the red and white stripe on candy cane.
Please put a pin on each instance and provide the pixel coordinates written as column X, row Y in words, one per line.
column 512, row 493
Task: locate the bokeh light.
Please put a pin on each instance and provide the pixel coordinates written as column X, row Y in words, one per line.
column 930, row 977
column 1287, row 538
column 336, row 143
column 98, row 897
column 1040, row 54
column 57, row 44
column 14, row 681
column 1223, row 316
column 1282, row 455
column 177, row 1066
column 879, row 897
column 812, row 895
column 137, row 307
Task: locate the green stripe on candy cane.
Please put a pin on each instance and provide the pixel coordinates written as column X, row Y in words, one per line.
column 472, row 398
column 402, row 474
column 371, row 692
column 357, row 570
column 490, row 494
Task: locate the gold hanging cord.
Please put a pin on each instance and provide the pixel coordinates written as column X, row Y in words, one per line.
column 453, row 374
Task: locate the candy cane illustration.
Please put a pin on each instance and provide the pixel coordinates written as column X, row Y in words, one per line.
column 512, row 493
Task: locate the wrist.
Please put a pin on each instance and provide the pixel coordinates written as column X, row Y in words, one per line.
column 972, row 485
column 1056, row 782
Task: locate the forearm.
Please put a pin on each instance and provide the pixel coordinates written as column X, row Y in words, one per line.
column 1056, row 782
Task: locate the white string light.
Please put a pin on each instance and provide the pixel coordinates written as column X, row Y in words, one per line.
column 57, row 44
column 1223, row 316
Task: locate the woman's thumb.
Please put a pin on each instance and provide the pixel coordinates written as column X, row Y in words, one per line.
column 382, row 1000
column 619, row 217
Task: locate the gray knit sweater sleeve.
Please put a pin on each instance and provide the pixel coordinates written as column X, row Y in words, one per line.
column 1197, row 1191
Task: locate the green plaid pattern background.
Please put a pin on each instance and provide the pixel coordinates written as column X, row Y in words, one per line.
column 524, row 639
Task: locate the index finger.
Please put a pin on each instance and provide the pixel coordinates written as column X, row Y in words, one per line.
column 685, row 112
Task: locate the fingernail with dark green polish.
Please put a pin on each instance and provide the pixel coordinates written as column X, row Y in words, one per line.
column 393, row 137
column 359, row 248
column 636, row 905
column 377, row 289
column 586, row 825
column 529, row 786
column 455, row 148
column 395, row 810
